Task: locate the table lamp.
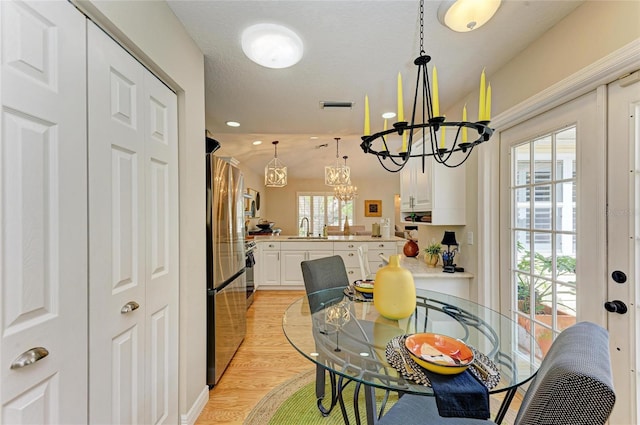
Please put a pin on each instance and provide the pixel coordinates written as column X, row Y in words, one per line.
column 449, row 239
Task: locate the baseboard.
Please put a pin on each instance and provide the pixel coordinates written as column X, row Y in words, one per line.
column 192, row 415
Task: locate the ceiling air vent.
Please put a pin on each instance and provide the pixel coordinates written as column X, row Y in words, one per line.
column 324, row 104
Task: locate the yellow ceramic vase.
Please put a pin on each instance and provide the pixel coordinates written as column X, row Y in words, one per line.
column 394, row 293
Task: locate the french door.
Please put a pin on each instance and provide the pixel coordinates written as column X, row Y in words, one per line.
column 569, row 182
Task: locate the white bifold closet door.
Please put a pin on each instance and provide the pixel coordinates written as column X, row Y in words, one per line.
column 43, row 214
column 133, row 239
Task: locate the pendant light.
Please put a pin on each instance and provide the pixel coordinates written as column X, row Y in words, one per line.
column 337, row 174
column 275, row 173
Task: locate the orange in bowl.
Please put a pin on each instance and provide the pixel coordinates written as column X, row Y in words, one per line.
column 365, row 286
column 439, row 353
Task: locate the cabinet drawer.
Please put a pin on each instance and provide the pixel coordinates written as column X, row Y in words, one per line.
column 306, row 246
column 350, row 258
column 374, row 254
column 346, row 246
column 354, row 273
column 381, row 245
column 270, row 246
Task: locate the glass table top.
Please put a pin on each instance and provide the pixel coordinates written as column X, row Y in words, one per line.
column 349, row 337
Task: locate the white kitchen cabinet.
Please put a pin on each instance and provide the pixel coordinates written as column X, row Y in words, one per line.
column 349, row 253
column 294, row 253
column 439, row 191
column 374, row 250
column 267, row 268
column 416, row 189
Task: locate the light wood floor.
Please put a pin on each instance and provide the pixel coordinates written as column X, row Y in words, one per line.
column 264, row 360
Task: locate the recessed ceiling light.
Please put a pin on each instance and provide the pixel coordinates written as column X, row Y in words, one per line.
column 272, row 46
column 388, row 115
column 257, row 142
column 233, row 124
column 313, row 137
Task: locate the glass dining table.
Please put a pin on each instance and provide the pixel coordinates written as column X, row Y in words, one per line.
column 341, row 331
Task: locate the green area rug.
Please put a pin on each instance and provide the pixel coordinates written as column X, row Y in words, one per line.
column 294, row 403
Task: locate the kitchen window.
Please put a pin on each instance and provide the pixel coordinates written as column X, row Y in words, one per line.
column 323, row 208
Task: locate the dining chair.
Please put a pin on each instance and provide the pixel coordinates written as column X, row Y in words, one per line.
column 363, row 259
column 322, row 273
column 573, row 386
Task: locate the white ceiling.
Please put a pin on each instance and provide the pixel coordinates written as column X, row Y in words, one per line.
column 352, row 48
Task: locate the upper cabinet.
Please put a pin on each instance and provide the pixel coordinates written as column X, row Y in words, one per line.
column 432, row 193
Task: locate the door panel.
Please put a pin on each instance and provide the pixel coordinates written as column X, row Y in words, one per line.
column 43, row 229
column 116, row 233
column 161, row 188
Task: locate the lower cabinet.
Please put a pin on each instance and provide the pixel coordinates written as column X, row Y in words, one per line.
column 349, row 253
column 278, row 262
column 292, row 254
column 385, row 248
column 267, row 268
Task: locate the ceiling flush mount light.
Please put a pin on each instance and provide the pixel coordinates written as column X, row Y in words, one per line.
column 275, row 173
column 345, row 192
column 337, row 174
column 467, row 15
column 427, row 124
column 272, row 46
column 233, row 124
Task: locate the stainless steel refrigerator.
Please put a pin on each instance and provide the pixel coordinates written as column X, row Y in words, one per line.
column 226, row 280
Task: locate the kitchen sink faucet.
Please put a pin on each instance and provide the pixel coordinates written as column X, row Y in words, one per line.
column 307, row 233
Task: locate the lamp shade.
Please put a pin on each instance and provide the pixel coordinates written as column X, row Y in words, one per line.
column 449, row 239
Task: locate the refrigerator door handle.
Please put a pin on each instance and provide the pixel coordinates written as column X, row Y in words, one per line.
column 230, row 280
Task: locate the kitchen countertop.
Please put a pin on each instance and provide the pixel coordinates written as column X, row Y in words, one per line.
column 419, row 269
column 356, row 238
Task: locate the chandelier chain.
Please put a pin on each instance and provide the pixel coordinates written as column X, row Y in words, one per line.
column 422, row 27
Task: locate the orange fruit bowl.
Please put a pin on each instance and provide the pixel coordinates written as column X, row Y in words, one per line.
column 439, row 353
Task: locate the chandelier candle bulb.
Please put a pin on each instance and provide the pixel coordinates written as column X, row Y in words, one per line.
column 401, row 112
column 482, row 100
column 400, row 106
column 464, row 118
column 436, row 100
column 443, row 137
column 487, row 111
column 384, row 128
column 367, row 120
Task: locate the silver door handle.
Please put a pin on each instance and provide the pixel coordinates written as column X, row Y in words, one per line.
column 29, row 357
column 129, row 307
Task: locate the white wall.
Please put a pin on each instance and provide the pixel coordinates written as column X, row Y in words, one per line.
column 281, row 205
column 150, row 30
column 594, row 30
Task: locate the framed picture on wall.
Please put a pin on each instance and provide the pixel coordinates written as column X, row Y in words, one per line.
column 373, row 208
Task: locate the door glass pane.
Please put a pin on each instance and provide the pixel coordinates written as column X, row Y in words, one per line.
column 565, row 206
column 522, row 162
column 522, row 212
column 542, row 159
column 544, row 234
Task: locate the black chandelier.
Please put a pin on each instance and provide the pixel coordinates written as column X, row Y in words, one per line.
column 376, row 144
